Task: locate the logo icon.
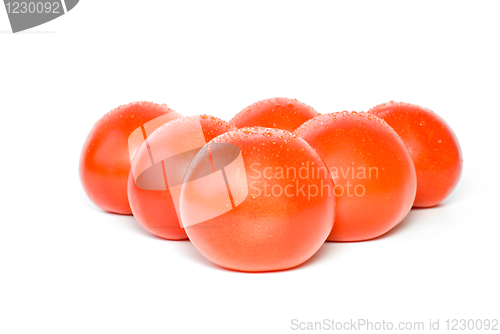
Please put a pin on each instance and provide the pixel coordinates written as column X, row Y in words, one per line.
column 31, row 13
column 220, row 169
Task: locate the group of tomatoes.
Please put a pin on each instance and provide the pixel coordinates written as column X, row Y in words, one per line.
column 264, row 191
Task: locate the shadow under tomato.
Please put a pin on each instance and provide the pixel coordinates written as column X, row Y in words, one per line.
column 131, row 223
column 439, row 205
column 187, row 248
column 182, row 246
column 326, row 251
column 323, row 254
column 409, row 221
column 405, row 224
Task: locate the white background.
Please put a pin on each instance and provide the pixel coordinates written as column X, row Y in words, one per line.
column 68, row 267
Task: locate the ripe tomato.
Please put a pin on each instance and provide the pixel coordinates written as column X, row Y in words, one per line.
column 433, row 147
column 154, row 186
column 279, row 112
column 257, row 199
column 373, row 172
column 105, row 160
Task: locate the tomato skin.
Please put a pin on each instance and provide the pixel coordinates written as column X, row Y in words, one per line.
column 154, row 209
column 282, row 113
column 368, row 161
column 105, row 161
column 155, row 212
column 262, row 233
column 433, row 146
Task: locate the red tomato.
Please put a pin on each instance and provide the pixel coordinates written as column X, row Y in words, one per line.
column 154, row 186
column 105, row 160
column 433, row 147
column 373, row 172
column 257, row 199
column 279, row 112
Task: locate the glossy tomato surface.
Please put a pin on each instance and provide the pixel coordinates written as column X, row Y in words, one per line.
column 282, row 113
column 159, row 167
column 433, row 147
column 257, row 199
column 105, row 156
column 373, row 172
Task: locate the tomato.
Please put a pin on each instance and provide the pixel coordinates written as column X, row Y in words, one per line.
column 433, row 147
column 257, row 199
column 375, row 180
column 279, row 112
column 105, row 157
column 154, row 186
